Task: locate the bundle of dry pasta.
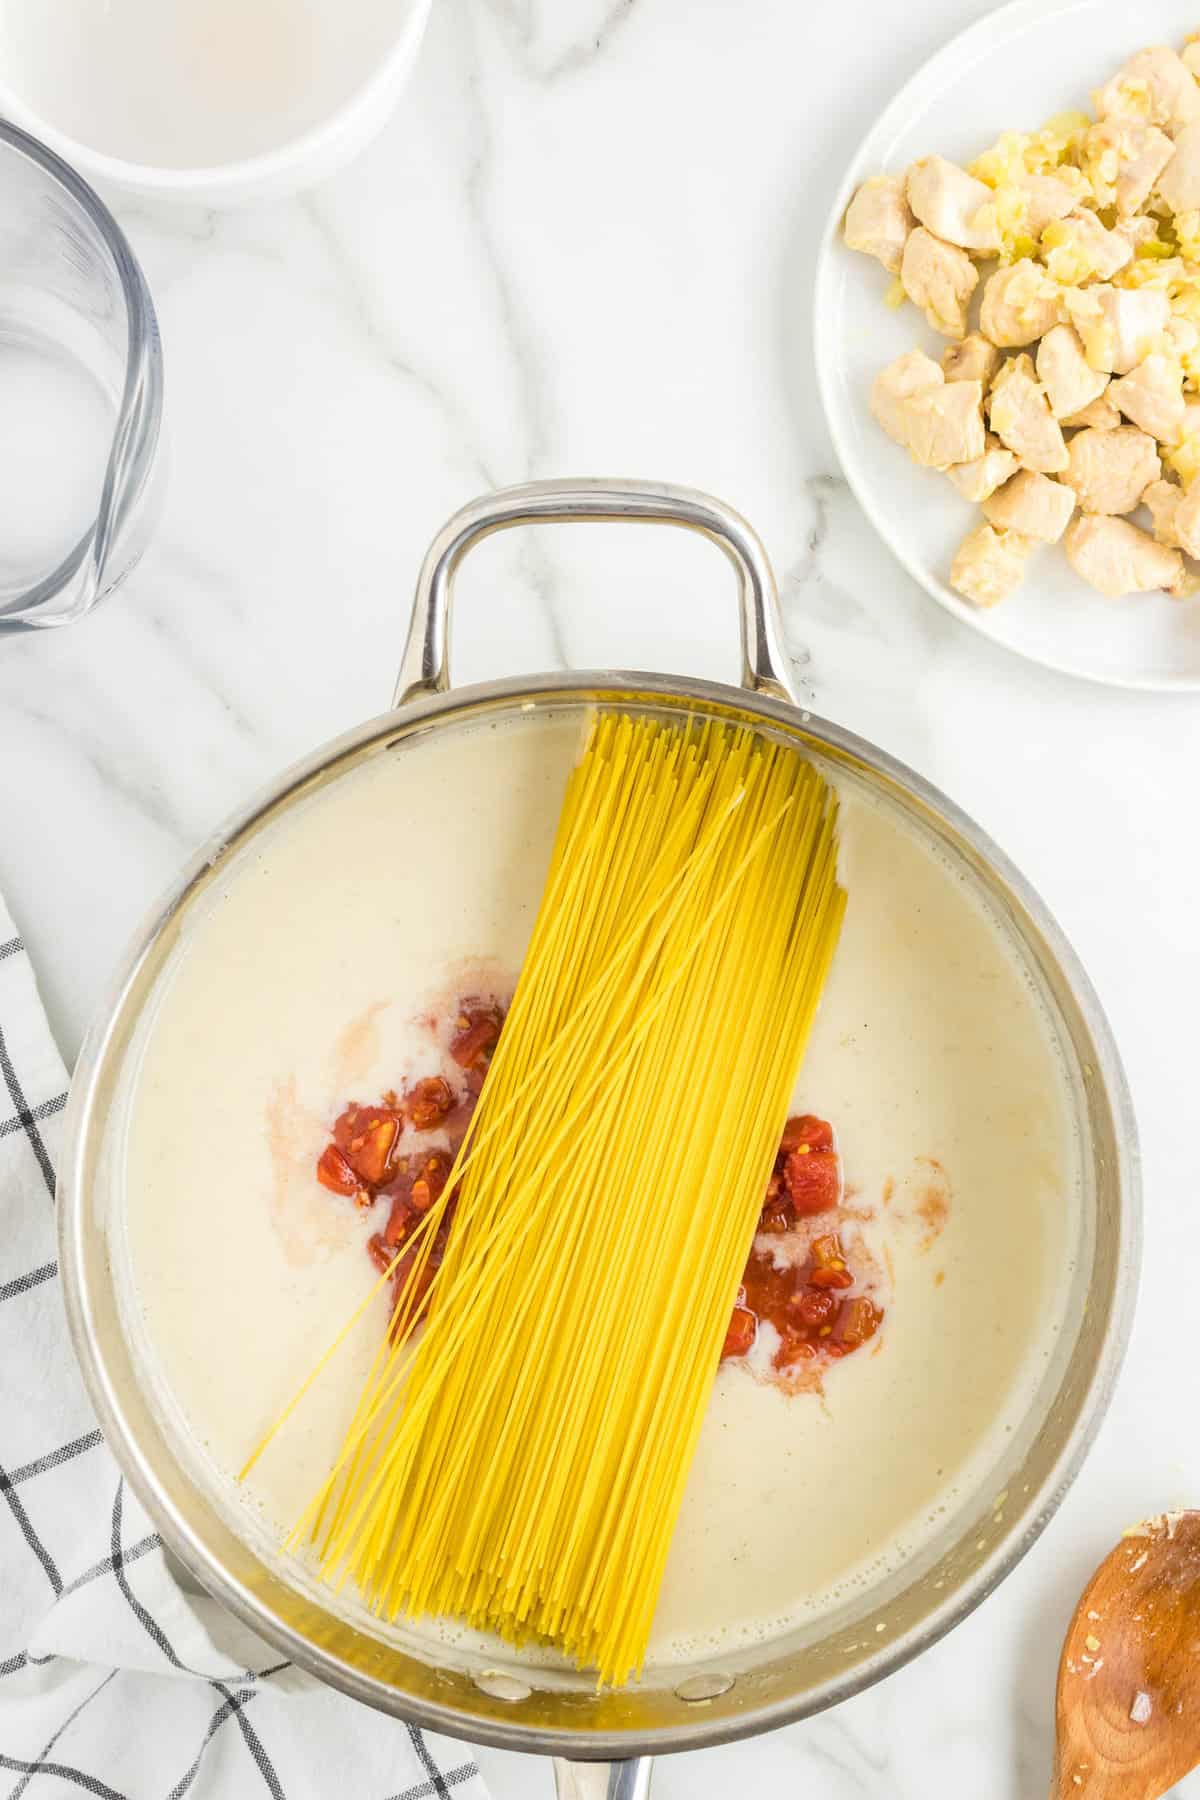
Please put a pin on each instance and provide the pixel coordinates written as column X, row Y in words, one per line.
column 520, row 1462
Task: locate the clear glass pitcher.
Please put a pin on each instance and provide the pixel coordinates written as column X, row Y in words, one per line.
column 80, row 393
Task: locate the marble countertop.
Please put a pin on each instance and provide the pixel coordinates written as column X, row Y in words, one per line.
column 585, row 247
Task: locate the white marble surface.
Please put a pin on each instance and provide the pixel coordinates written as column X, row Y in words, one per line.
column 585, row 248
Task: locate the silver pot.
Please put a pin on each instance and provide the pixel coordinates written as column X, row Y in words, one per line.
column 603, row 1743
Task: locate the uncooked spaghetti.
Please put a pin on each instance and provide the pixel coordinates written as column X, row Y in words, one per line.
column 520, row 1462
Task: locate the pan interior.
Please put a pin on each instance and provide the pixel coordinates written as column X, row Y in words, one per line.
column 292, row 978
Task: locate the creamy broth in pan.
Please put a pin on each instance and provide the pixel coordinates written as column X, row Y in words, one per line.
column 300, row 983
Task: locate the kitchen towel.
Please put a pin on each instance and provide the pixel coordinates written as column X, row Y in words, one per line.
column 117, row 1678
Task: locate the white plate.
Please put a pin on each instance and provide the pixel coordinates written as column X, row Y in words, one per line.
column 1012, row 71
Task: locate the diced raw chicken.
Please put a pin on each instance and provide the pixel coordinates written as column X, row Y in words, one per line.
column 1152, row 397
column 940, row 279
column 1176, row 515
column 990, row 565
column 1101, row 415
column 1118, row 558
column 1079, row 248
column 1117, row 326
column 1035, row 505
column 977, row 479
column 878, row 220
column 938, row 422
column 1021, row 418
column 1123, row 159
column 1155, row 87
column 1179, row 183
column 1020, row 303
column 953, row 205
column 972, row 360
column 1047, row 197
column 1065, row 373
column 1111, row 470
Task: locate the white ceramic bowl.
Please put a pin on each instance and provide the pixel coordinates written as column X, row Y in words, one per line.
column 1012, row 70
column 296, row 162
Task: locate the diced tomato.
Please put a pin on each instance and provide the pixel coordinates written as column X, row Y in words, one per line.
column 774, row 1219
column 859, row 1320
column 335, row 1173
column 427, row 1102
column 381, row 1253
column 829, row 1264
column 365, row 1136
column 427, row 1188
column 807, row 1129
column 816, row 1309
column 743, row 1329
column 477, row 1035
column 400, row 1221
column 793, row 1349
column 813, row 1181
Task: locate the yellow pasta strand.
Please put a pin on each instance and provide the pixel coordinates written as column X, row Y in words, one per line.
column 520, row 1461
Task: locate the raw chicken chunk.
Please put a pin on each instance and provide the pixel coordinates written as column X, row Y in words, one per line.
column 1021, row 418
column 990, row 565
column 938, row 422
column 1155, row 87
column 1101, row 415
column 1176, row 515
column 1117, row 326
column 1123, row 159
column 1111, row 470
column 1118, row 558
column 977, row 479
column 1035, row 505
column 940, row 279
column 1020, row 303
column 1179, row 183
column 953, row 205
column 1079, row 248
column 1152, row 397
column 1065, row 373
column 972, row 360
column 878, row 220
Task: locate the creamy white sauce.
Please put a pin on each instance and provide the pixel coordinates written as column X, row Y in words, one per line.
column 300, row 983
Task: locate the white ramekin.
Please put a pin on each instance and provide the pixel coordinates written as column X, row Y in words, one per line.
column 296, row 164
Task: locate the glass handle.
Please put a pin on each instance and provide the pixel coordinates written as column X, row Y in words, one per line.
column 425, row 666
column 602, row 1780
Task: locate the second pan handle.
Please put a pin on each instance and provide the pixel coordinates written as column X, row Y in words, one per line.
column 425, row 667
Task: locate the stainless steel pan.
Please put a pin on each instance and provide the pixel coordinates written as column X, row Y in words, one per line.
column 602, row 1743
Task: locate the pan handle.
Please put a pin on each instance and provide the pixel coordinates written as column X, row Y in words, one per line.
column 425, row 668
column 602, row 1781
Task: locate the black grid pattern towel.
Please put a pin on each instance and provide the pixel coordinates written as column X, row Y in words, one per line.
column 116, row 1678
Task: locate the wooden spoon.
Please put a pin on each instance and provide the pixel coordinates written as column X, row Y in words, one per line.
column 1129, row 1681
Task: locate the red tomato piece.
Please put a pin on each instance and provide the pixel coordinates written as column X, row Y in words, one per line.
column 793, row 1349
column 427, row 1102
column 335, row 1173
column 806, row 1128
column 743, row 1329
column 813, row 1180
column 381, row 1253
column 476, row 1038
column 400, row 1220
column 859, row 1320
column 365, row 1137
column 816, row 1308
column 428, row 1186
